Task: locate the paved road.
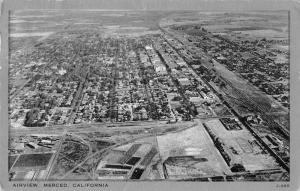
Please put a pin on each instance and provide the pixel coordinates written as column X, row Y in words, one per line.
column 108, row 149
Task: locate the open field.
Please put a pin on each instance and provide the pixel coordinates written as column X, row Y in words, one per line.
column 32, row 161
column 25, row 22
column 220, row 21
column 194, row 142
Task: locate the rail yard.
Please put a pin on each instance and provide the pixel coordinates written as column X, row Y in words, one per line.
column 183, row 96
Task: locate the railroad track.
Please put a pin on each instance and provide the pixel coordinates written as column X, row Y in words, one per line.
column 253, row 105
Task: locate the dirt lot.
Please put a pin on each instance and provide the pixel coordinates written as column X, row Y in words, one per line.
column 243, row 147
column 192, row 142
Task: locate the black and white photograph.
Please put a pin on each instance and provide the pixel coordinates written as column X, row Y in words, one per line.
column 148, row 94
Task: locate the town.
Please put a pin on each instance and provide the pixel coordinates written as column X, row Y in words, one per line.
column 182, row 103
column 132, row 80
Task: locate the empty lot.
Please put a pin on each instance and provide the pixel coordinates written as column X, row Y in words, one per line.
column 192, row 142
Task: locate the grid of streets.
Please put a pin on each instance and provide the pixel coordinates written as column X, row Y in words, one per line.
column 182, row 103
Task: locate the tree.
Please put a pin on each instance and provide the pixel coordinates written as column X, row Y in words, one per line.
column 237, row 167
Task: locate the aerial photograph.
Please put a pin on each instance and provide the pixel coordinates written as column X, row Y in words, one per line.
column 149, row 95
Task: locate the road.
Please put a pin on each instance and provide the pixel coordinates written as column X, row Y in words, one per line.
column 108, row 149
column 58, row 129
column 273, row 153
column 53, row 161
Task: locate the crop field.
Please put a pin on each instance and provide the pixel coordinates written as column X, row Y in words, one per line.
column 148, row 157
column 144, row 149
column 141, row 154
column 52, row 21
column 129, row 153
column 246, row 21
column 33, row 161
column 133, row 160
